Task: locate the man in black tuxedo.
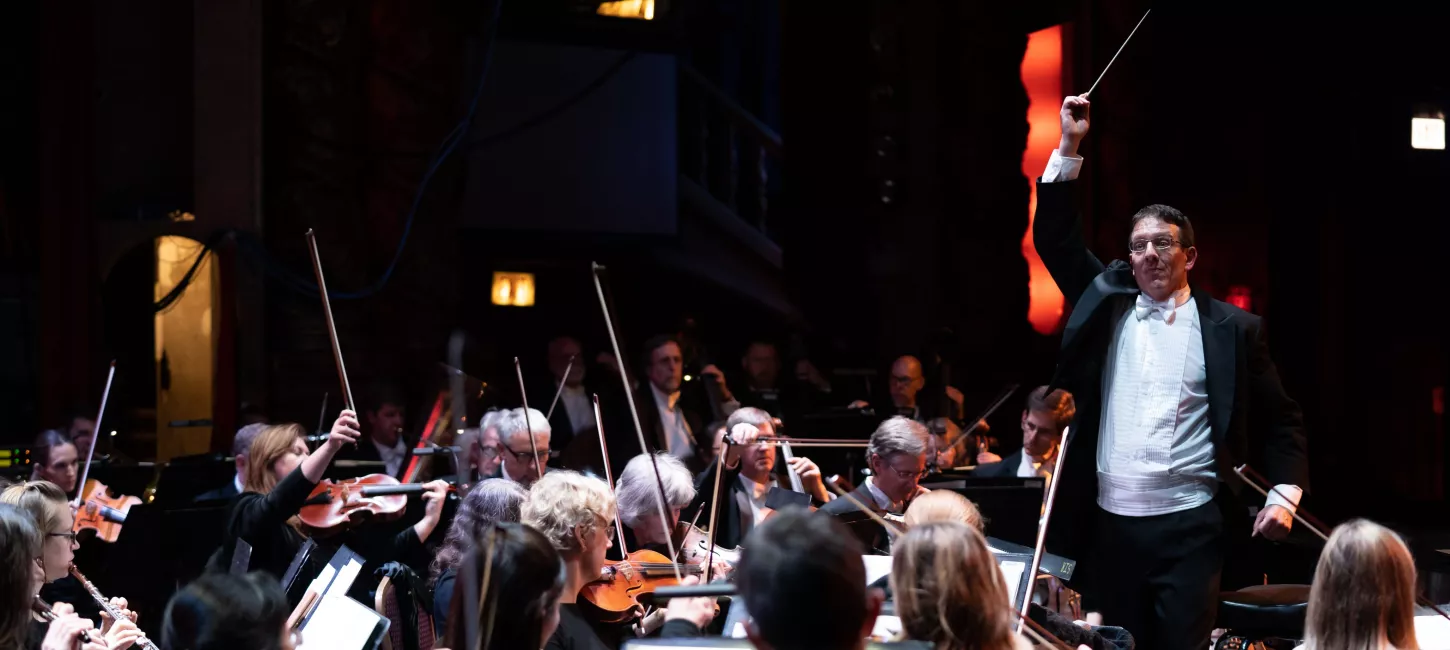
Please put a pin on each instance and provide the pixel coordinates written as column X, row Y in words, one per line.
column 1173, row 390
column 897, row 457
column 670, row 423
column 748, row 477
column 1044, row 417
column 574, row 413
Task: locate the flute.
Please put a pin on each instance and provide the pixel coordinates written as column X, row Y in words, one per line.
column 43, row 608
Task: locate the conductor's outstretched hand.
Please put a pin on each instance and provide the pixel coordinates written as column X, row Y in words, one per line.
column 1074, row 124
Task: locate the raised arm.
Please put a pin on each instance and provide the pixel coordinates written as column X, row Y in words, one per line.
column 1056, row 228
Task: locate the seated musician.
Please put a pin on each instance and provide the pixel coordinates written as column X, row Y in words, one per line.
column 490, row 502
column 520, row 577
column 221, row 612
column 1364, row 591
column 281, row 474
column 480, row 448
column 1043, row 419
column 240, row 444
column 519, row 463
column 949, row 591
column 748, row 477
column 52, row 516
column 576, row 513
column 944, row 505
column 636, row 491
column 897, row 457
column 20, row 547
column 802, row 579
column 56, row 459
column 383, row 440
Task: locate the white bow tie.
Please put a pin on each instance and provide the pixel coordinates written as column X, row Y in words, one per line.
column 1147, row 306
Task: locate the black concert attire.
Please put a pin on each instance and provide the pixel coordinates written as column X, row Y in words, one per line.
column 1170, row 397
column 261, row 520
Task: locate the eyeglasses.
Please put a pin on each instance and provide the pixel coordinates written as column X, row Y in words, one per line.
column 909, row 474
column 1163, row 244
column 69, row 536
column 528, row 456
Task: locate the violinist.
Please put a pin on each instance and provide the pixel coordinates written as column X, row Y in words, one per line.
column 1364, row 591
column 949, row 591
column 636, row 492
column 56, row 459
column 576, row 513
column 520, row 579
column 490, row 502
column 50, row 512
column 280, row 477
column 748, row 476
column 1043, row 419
column 519, row 463
column 897, row 457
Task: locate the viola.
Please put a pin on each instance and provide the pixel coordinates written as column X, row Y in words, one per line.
column 338, row 505
column 617, row 595
column 101, row 512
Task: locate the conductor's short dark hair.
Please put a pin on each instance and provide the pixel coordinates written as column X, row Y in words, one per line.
column 1166, row 214
column 803, row 582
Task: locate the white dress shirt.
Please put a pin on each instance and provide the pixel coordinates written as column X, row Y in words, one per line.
column 1028, row 467
column 885, row 503
column 1155, row 446
column 392, row 456
column 579, row 407
column 755, row 495
column 237, row 482
column 680, row 442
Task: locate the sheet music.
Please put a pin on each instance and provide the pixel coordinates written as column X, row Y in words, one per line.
column 876, row 567
column 346, row 576
column 341, row 623
column 1012, row 574
column 1432, row 632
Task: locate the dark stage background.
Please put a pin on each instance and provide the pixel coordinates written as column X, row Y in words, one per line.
column 886, row 219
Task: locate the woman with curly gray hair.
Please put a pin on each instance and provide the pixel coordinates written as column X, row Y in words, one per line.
column 493, row 501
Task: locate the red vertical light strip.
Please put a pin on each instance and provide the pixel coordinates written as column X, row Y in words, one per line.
column 1042, row 77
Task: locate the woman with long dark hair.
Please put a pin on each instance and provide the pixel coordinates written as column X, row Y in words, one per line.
column 56, row 460
column 493, row 501
column 520, row 577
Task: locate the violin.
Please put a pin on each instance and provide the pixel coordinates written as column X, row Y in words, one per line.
column 101, row 512
column 338, row 505
column 617, row 595
column 694, row 547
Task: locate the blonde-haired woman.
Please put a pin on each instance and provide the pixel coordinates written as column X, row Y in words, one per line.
column 943, row 505
column 47, row 506
column 948, row 590
column 576, row 512
column 1363, row 596
column 280, row 477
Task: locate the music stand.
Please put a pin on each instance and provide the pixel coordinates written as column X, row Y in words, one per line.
column 1010, row 505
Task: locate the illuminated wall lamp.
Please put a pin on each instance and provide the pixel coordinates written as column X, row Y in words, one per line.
column 1427, row 128
column 513, row 289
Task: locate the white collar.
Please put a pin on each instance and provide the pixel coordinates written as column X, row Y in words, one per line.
column 237, row 482
column 666, row 402
column 757, row 490
column 398, row 449
column 882, row 501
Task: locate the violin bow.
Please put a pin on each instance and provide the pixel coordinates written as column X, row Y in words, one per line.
column 458, row 406
column 1046, row 518
column 1253, row 479
column 95, row 434
column 528, row 421
column 567, row 369
column 714, row 515
column 996, row 404
column 604, row 301
column 347, row 403
column 609, row 476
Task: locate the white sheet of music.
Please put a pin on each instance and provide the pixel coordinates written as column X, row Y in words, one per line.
column 1433, row 632
column 1012, row 574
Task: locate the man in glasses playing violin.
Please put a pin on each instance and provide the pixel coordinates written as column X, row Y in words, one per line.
column 522, row 463
column 1174, row 389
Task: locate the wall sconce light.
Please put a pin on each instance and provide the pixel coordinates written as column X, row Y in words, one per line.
column 513, row 289
column 1427, row 128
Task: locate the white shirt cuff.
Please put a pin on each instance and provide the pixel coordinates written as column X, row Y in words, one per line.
column 1061, row 168
column 1289, row 499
